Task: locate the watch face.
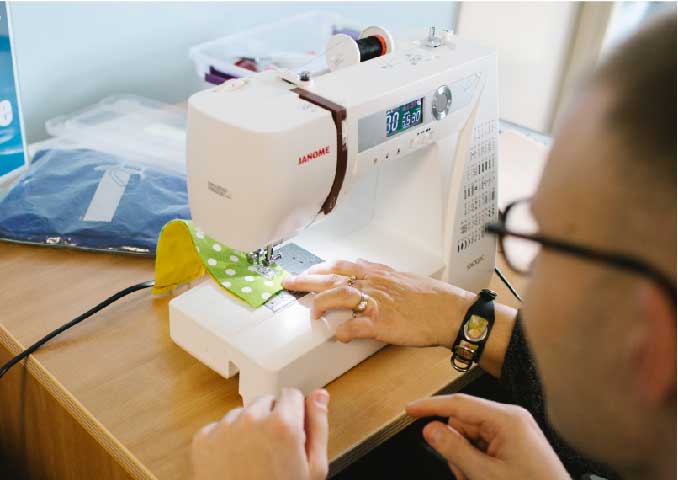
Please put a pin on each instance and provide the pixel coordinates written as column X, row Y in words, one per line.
column 475, row 329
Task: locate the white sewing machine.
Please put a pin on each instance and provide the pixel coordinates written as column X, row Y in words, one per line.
column 414, row 132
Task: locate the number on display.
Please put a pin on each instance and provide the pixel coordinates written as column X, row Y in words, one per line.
column 392, row 122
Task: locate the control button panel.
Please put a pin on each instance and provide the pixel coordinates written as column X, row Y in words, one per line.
column 418, row 110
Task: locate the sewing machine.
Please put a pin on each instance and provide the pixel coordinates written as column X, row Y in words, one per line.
column 392, row 159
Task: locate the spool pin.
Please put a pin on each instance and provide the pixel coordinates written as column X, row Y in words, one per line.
column 343, row 51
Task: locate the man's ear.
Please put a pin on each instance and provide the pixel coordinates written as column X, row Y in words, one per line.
column 655, row 349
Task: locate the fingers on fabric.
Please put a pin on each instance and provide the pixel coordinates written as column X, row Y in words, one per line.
column 317, row 433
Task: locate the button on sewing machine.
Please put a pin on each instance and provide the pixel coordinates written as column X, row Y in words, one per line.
column 442, row 100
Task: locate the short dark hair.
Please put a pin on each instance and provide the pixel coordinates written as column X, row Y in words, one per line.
column 642, row 75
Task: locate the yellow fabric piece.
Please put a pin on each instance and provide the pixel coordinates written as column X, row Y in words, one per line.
column 185, row 253
column 176, row 258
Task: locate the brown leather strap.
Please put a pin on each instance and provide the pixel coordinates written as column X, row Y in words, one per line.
column 339, row 115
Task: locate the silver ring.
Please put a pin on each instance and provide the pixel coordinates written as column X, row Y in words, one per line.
column 362, row 305
column 351, row 280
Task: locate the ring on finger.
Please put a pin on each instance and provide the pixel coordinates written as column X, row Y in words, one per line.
column 351, row 280
column 362, row 304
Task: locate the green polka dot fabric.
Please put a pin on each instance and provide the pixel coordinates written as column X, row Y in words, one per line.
column 185, row 253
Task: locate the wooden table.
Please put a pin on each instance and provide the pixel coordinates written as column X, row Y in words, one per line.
column 116, row 398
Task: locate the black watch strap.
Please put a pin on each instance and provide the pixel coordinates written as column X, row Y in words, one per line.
column 474, row 331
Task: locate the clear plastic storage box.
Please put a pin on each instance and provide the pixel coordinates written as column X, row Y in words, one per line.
column 132, row 127
column 296, row 43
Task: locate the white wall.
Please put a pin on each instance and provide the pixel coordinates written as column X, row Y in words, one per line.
column 533, row 41
column 72, row 54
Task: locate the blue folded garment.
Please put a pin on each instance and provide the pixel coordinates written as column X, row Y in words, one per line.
column 92, row 200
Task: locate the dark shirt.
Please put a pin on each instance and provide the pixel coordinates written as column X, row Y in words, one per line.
column 519, row 377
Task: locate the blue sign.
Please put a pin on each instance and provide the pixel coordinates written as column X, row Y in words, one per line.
column 11, row 138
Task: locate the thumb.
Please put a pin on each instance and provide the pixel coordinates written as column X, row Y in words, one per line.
column 316, row 433
column 457, row 450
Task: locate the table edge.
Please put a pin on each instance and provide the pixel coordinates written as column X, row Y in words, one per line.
column 123, row 456
column 389, row 430
column 137, row 470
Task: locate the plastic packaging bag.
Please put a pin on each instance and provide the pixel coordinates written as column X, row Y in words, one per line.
column 98, row 188
column 138, row 129
column 92, row 200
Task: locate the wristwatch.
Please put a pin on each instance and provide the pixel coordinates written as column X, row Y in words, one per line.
column 474, row 332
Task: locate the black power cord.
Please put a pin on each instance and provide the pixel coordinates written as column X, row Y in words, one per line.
column 72, row 323
column 508, row 284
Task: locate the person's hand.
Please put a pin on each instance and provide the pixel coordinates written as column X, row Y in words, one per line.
column 487, row 440
column 269, row 440
column 403, row 309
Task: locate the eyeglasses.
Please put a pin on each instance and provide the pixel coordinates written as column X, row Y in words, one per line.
column 520, row 243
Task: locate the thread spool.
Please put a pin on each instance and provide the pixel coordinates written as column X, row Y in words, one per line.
column 371, row 47
column 342, row 51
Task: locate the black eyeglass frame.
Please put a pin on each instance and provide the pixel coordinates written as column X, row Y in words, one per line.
column 616, row 259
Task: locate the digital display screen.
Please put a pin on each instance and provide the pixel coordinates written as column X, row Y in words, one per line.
column 403, row 117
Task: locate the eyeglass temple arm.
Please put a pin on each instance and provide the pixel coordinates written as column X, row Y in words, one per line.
column 620, row 260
